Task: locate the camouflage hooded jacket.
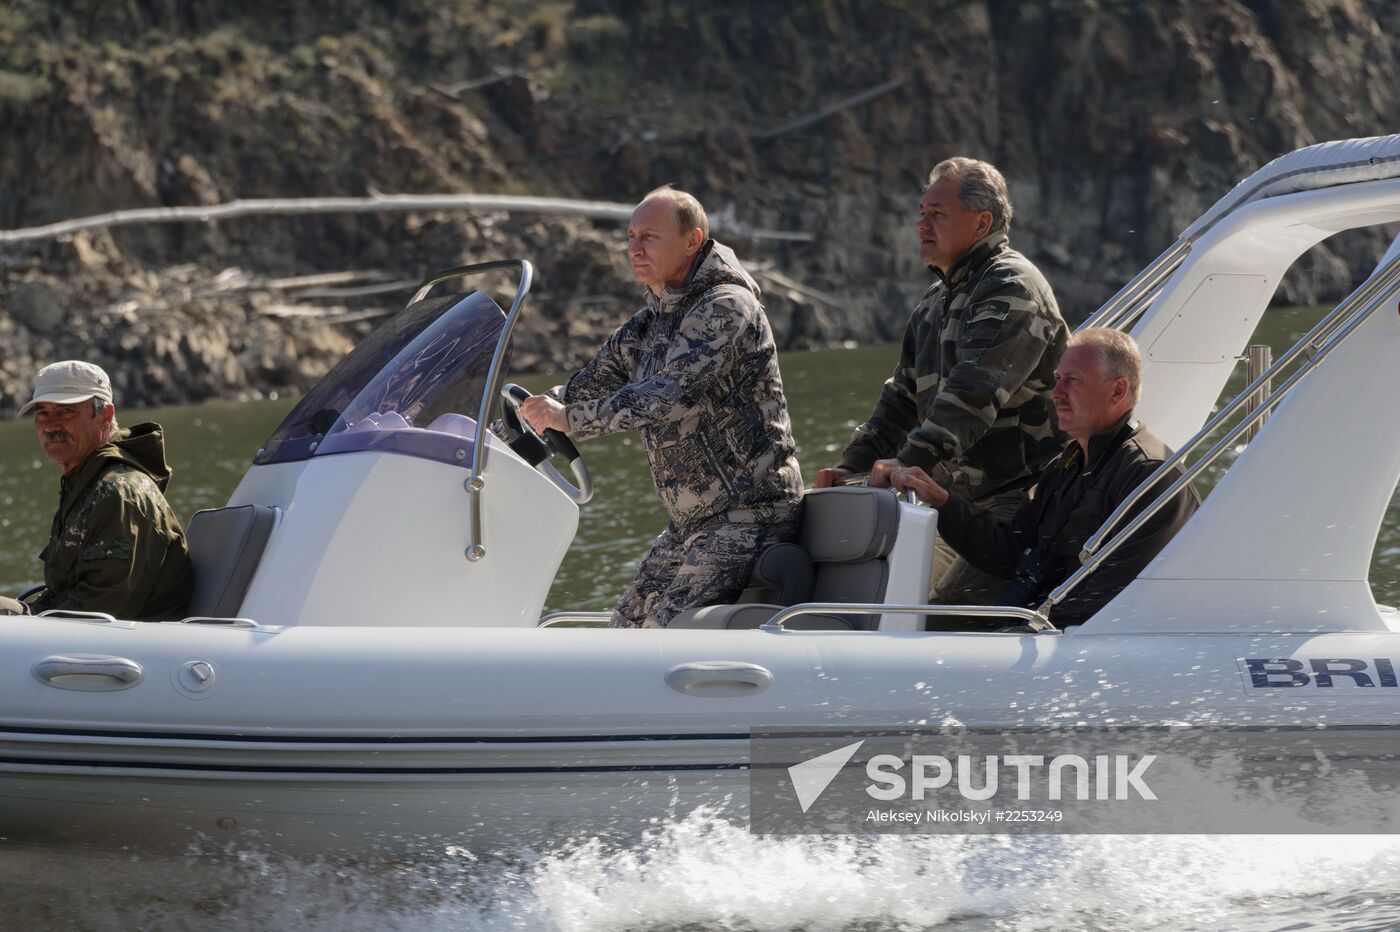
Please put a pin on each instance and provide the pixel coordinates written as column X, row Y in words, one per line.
column 969, row 401
column 696, row 371
column 116, row 545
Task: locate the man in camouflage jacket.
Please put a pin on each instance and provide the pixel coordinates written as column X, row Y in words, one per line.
column 968, row 402
column 696, row 372
column 116, row 545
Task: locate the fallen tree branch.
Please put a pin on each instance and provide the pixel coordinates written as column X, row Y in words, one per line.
column 321, row 279
column 454, row 91
column 361, row 291
column 249, row 207
column 844, row 104
column 778, row 278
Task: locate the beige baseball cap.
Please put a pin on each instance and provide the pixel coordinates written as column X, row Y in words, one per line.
column 69, row 382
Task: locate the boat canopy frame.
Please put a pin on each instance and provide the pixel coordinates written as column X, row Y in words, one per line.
column 1259, row 397
column 1318, row 343
column 1309, row 168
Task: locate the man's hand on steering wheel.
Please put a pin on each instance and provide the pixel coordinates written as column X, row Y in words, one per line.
column 540, row 426
column 543, row 413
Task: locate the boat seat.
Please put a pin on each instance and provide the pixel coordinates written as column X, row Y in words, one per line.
column 840, row 555
column 226, row 545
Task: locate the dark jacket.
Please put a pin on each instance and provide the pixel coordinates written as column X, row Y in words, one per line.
column 696, row 371
column 969, row 401
column 116, row 545
column 1041, row 543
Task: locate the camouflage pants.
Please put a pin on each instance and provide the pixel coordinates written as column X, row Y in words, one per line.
column 705, row 564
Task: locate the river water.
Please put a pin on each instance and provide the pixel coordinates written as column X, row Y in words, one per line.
column 697, row 873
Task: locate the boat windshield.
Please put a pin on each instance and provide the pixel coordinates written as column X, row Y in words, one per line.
column 413, row 387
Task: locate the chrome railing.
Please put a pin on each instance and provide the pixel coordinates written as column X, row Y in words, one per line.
column 103, row 617
column 221, row 621
column 475, row 482
column 1317, row 344
column 1131, row 300
column 1258, row 358
column 1121, row 309
column 1033, row 618
column 593, row 619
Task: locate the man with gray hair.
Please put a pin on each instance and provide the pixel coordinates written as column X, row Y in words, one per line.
column 116, row 545
column 1109, row 455
column 696, row 372
column 968, row 403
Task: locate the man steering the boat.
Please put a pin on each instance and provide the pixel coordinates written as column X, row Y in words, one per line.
column 1110, row 453
column 116, row 545
column 696, row 372
column 968, row 402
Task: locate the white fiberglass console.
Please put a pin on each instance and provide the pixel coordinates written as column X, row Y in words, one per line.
column 388, row 512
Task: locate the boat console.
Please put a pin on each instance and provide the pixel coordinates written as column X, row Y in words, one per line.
column 385, row 489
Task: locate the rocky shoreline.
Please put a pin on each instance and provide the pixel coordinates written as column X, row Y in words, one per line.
column 1115, row 123
column 188, row 333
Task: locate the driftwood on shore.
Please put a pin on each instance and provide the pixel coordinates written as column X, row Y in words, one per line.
column 846, row 103
column 485, row 203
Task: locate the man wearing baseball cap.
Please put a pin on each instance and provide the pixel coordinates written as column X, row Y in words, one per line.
column 116, row 545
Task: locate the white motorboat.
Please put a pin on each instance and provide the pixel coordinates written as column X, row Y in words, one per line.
column 367, row 661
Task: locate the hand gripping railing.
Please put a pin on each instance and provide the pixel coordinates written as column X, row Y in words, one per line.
column 476, row 482
column 1035, row 619
column 1318, row 343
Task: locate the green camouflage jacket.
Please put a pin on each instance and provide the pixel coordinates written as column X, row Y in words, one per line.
column 969, row 401
column 116, row 545
column 696, row 371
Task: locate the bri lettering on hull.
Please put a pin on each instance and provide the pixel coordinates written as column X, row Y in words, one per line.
column 1341, row 673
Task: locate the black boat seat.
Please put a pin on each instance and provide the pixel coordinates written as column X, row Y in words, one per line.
column 843, row 540
column 226, row 545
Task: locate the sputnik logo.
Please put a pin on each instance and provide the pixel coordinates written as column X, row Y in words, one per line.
column 811, row 777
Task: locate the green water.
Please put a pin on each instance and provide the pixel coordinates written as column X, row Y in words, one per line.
column 829, row 392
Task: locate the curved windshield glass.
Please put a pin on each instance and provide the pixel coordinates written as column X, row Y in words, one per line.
column 412, row 387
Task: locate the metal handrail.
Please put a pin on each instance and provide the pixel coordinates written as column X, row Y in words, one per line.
column 222, row 621
column 1035, row 619
column 1118, row 307
column 555, row 618
column 1116, row 310
column 1325, row 328
column 1258, row 357
column 1372, row 296
column 103, row 617
column 475, row 482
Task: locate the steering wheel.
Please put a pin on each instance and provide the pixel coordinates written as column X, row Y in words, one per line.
column 535, row 449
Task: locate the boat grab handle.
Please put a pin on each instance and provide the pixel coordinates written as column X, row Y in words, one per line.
column 69, row 613
column 588, row 619
column 1033, row 619
column 88, row 672
column 719, row 678
column 221, row 621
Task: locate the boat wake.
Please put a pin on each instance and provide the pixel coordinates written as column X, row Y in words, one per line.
column 703, row 873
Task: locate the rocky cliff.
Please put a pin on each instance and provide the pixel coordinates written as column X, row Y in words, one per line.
column 1116, row 123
